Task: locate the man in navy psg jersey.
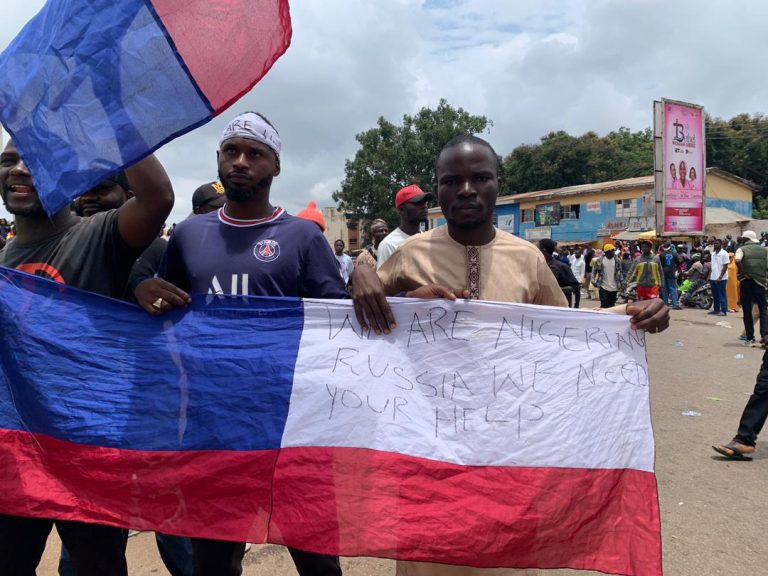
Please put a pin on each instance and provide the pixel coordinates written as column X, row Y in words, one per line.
column 250, row 247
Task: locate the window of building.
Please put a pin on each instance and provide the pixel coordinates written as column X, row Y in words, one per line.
column 569, row 211
column 626, row 208
column 528, row 215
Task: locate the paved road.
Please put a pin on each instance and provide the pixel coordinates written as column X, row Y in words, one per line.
column 714, row 513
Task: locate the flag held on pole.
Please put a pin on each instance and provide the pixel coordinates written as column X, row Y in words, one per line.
column 91, row 86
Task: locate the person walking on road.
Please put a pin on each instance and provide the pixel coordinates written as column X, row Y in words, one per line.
column 608, row 276
column 578, row 267
column 743, row 445
column 646, row 272
column 669, row 263
column 718, row 277
column 752, row 263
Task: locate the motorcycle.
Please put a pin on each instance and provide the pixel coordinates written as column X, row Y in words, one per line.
column 628, row 292
column 697, row 296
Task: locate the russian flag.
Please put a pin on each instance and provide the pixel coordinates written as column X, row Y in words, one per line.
column 479, row 434
column 91, row 86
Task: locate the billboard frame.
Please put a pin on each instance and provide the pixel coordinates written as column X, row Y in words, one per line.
column 659, row 168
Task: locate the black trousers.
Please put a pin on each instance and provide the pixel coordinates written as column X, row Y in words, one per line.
column 94, row 550
column 750, row 292
column 221, row 558
column 572, row 297
column 607, row 298
column 756, row 410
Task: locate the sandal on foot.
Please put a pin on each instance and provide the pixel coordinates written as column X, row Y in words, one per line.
column 735, row 451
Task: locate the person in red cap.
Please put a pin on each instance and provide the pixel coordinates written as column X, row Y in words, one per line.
column 411, row 203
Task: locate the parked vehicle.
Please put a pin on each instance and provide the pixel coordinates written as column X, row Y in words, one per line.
column 628, row 292
column 699, row 296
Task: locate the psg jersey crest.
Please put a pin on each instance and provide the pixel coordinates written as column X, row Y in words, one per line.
column 266, row 250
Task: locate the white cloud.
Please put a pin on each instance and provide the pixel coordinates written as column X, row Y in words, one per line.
column 530, row 66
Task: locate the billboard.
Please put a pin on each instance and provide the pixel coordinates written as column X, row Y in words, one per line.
column 547, row 214
column 680, row 168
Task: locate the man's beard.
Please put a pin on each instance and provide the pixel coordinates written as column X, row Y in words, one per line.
column 36, row 211
column 244, row 193
column 468, row 225
column 478, row 222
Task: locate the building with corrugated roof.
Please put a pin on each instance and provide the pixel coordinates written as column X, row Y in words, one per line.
column 596, row 212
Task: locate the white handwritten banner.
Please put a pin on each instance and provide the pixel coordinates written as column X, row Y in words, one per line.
column 476, row 433
column 504, row 435
column 476, row 384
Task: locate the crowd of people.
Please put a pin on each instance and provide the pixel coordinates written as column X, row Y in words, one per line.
column 238, row 242
column 644, row 269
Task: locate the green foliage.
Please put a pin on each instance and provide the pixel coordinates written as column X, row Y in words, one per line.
column 392, row 156
column 564, row 160
column 760, row 208
column 740, row 146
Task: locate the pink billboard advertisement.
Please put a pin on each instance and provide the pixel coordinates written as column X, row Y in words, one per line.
column 684, row 167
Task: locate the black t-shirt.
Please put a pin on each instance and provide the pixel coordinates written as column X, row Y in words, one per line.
column 90, row 255
column 588, row 255
column 563, row 274
column 145, row 266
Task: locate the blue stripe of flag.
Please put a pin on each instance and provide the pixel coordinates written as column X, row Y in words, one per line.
column 91, row 370
column 90, row 86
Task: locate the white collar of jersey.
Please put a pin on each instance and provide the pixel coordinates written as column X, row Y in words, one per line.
column 245, row 223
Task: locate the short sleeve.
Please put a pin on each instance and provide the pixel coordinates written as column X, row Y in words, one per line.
column 320, row 274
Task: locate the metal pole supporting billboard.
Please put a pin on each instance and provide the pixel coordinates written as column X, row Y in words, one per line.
column 658, row 164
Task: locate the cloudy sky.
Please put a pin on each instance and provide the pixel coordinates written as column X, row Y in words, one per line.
column 531, row 66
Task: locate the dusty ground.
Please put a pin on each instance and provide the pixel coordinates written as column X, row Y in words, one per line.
column 714, row 513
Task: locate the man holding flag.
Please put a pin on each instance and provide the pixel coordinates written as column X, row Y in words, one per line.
column 94, row 254
column 455, row 260
column 267, row 253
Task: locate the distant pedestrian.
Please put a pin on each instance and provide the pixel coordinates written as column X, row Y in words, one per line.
column 578, row 268
column 646, row 272
column 370, row 254
column 718, row 277
column 669, row 263
column 608, row 276
column 589, row 253
column 345, row 260
column 752, row 262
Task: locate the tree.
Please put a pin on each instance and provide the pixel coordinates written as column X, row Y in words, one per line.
column 740, row 146
column 392, row 156
column 563, row 160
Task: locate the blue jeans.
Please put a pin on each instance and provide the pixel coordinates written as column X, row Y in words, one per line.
column 719, row 299
column 669, row 291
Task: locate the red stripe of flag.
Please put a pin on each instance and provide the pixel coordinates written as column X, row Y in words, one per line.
column 227, row 45
column 359, row 502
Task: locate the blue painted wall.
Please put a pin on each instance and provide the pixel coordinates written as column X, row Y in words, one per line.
column 585, row 227
column 742, row 207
